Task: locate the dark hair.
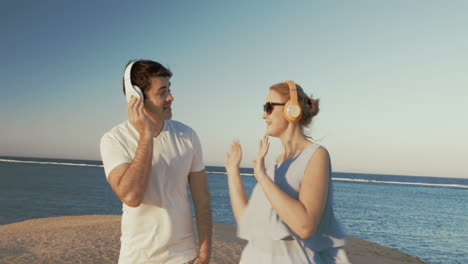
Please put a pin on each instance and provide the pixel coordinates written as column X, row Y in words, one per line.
column 309, row 105
column 143, row 70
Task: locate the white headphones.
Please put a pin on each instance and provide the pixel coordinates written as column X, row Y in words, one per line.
column 130, row 89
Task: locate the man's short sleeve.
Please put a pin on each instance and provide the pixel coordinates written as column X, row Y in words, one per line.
column 112, row 153
column 197, row 161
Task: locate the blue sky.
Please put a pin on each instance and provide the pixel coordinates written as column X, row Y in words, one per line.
column 391, row 75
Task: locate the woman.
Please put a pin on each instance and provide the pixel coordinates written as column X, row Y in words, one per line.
column 289, row 217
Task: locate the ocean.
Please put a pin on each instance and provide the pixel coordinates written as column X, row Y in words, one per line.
column 425, row 217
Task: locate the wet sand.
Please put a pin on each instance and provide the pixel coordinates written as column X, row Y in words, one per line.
column 95, row 239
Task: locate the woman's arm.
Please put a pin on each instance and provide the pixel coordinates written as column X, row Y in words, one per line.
column 236, row 189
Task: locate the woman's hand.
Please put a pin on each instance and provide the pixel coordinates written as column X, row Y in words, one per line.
column 138, row 118
column 259, row 164
column 199, row 261
column 234, row 156
column 236, row 188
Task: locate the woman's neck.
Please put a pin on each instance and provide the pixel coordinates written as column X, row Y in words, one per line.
column 293, row 141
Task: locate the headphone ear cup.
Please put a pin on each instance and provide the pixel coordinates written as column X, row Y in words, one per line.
column 139, row 92
column 130, row 89
column 292, row 112
column 286, row 111
column 133, row 90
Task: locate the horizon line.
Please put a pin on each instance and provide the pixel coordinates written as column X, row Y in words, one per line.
column 366, row 173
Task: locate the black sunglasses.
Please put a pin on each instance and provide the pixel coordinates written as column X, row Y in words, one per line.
column 268, row 107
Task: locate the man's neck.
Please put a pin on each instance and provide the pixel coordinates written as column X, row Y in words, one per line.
column 158, row 125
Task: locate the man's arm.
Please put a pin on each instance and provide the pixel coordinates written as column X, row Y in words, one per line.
column 129, row 180
column 201, row 202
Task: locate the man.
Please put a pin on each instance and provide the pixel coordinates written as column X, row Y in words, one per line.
column 148, row 161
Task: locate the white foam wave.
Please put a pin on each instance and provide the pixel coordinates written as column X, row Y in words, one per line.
column 225, row 173
column 247, row 174
column 374, row 181
column 51, row 163
column 404, row 183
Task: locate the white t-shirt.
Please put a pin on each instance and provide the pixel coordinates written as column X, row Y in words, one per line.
column 160, row 229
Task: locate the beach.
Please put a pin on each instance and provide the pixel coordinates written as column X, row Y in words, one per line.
column 95, row 239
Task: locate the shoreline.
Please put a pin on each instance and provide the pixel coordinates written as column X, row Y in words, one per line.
column 96, row 239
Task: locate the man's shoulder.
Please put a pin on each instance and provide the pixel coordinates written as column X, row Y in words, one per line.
column 120, row 131
column 179, row 126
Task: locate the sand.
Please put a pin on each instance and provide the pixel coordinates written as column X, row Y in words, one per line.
column 95, row 239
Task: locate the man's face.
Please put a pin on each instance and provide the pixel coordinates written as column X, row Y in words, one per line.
column 158, row 99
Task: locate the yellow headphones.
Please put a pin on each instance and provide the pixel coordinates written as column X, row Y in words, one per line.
column 292, row 109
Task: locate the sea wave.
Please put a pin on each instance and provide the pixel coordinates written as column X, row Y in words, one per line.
column 404, row 183
column 51, row 163
column 250, row 174
column 225, row 173
column 374, row 181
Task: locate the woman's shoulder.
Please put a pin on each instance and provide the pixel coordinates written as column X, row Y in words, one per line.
column 318, row 158
column 316, row 149
column 319, row 152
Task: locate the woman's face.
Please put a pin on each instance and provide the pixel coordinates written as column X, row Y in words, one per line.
column 276, row 124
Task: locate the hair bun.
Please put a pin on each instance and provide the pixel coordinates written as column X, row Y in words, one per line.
column 314, row 106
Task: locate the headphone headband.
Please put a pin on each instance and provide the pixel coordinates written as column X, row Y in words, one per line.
column 292, row 92
column 127, row 74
